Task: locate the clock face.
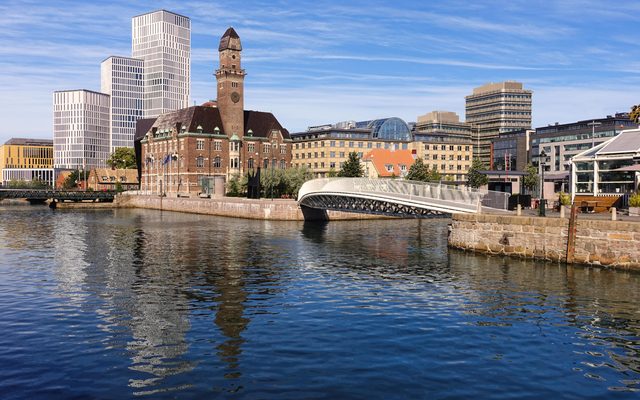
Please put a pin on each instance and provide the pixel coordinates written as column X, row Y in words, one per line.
column 235, row 97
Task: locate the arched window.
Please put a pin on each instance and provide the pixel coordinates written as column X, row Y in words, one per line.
column 217, row 162
column 283, row 164
column 250, row 163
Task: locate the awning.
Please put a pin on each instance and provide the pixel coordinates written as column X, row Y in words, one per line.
column 635, row 167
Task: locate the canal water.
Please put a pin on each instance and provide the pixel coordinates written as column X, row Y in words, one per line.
column 115, row 304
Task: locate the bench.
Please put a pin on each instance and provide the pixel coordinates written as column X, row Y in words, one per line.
column 588, row 206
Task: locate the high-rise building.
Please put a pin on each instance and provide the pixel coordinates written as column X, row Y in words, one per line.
column 496, row 108
column 122, row 79
column 163, row 40
column 80, row 129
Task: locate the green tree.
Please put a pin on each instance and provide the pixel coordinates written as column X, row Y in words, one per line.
column 474, row 178
column 530, row 180
column 418, row 171
column 634, row 115
column 332, row 173
column 434, row 175
column 352, row 167
column 72, row 180
column 237, row 186
column 295, row 178
column 122, row 158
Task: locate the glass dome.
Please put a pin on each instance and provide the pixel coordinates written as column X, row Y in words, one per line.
column 392, row 128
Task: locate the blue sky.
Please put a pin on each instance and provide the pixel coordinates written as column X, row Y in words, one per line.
column 315, row 62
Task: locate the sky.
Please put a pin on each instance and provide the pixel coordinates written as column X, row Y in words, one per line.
column 319, row 62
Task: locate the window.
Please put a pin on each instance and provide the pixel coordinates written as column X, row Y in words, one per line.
column 266, row 147
column 332, row 143
column 332, row 154
column 332, row 165
column 217, row 145
column 341, row 143
column 466, row 148
column 283, row 149
column 403, row 167
column 443, row 157
column 251, row 147
column 265, row 163
column 426, row 147
column 389, row 167
column 342, row 154
column 443, row 147
column 459, row 148
column 200, row 162
column 283, row 164
column 234, row 163
column 217, row 163
column 200, row 144
column 350, row 144
column 450, row 148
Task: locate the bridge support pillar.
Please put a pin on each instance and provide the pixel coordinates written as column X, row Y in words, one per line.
column 314, row 214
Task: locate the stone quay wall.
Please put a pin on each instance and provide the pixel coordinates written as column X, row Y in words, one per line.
column 598, row 242
column 267, row 209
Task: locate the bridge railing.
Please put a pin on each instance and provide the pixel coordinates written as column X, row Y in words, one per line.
column 407, row 189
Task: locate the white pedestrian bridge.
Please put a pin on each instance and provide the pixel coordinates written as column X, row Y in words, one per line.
column 397, row 197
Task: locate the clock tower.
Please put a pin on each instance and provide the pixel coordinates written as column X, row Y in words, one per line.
column 230, row 79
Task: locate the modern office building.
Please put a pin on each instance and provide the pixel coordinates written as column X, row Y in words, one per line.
column 27, row 160
column 122, row 79
column 510, row 151
column 324, row 148
column 80, row 129
column 163, row 40
column 496, row 108
column 193, row 149
column 561, row 142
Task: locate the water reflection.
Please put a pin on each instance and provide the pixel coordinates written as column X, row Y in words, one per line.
column 193, row 305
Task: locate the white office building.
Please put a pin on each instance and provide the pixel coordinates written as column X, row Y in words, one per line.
column 163, row 40
column 80, row 129
column 122, row 79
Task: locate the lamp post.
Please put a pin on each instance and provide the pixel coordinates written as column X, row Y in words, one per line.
column 593, row 125
column 542, row 206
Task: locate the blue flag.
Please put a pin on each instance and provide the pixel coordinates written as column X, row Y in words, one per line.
column 167, row 158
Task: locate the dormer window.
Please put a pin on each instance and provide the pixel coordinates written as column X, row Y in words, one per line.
column 249, row 132
column 183, row 129
column 199, row 129
column 216, row 130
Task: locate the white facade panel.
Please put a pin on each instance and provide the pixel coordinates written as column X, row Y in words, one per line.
column 163, row 40
column 122, row 79
column 80, row 129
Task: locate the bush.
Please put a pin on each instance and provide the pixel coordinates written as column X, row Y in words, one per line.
column 634, row 200
column 564, row 198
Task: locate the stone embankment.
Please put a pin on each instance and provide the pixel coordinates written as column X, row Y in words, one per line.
column 267, row 209
column 597, row 242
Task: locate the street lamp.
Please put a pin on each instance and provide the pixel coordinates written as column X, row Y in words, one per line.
column 593, row 125
column 543, row 203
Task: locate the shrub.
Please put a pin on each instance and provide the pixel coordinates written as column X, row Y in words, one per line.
column 634, row 200
column 565, row 198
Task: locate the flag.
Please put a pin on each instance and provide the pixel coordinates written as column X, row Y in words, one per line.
column 166, row 159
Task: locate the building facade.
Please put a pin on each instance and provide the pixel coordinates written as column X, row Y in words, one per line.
column 193, row 149
column 162, row 39
column 611, row 168
column 27, row 160
column 561, row 142
column 122, row 79
column 382, row 163
column 496, row 108
column 443, row 123
column 324, row 148
column 80, row 129
column 510, row 151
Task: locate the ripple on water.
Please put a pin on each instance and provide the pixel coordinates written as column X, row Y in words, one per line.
column 123, row 303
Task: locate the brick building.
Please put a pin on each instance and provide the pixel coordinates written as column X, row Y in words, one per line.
column 190, row 150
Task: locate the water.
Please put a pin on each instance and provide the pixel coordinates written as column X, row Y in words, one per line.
column 134, row 303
